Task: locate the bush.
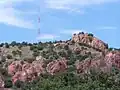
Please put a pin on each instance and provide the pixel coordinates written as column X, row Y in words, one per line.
column 14, row 53
column 62, row 53
column 66, row 47
column 3, row 72
column 33, row 47
column 8, row 84
column 29, row 60
column 35, row 54
column 3, row 58
column 9, row 56
column 19, row 47
column 40, row 47
column 19, row 84
column 19, row 52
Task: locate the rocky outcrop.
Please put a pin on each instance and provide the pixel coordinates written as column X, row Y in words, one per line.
column 113, row 58
column 57, row 66
column 15, row 67
column 105, row 64
column 87, row 39
column 29, row 71
column 24, row 71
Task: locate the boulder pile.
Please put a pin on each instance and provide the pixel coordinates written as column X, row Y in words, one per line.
column 23, row 71
column 90, row 40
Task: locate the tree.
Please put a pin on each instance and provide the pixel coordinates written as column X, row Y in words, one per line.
column 24, row 43
column 13, row 43
column 110, row 49
column 2, row 44
column 90, row 34
column 6, row 45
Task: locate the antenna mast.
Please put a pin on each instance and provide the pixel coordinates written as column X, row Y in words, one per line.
column 39, row 23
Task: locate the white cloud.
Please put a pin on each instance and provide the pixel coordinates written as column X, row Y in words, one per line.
column 47, row 36
column 72, row 31
column 73, row 4
column 11, row 16
column 107, row 28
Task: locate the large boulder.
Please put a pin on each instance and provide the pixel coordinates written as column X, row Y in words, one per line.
column 20, row 75
column 39, row 67
column 113, row 58
column 27, row 71
column 14, row 67
column 56, row 66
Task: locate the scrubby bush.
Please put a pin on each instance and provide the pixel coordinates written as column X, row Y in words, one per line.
column 9, row 56
column 19, row 84
column 71, row 81
column 29, row 60
column 8, row 84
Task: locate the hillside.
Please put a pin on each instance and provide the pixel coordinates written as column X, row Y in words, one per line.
column 60, row 65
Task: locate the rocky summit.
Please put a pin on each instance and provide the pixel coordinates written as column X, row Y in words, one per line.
column 23, row 64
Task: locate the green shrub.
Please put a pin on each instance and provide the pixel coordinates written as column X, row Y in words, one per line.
column 9, row 56
column 19, row 84
column 40, row 47
column 29, row 60
column 8, row 84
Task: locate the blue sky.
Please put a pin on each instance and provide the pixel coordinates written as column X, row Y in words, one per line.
column 59, row 20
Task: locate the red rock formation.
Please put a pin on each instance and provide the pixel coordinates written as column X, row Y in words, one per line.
column 27, row 72
column 14, row 67
column 89, row 40
column 57, row 66
column 112, row 58
column 20, row 75
column 39, row 67
column 83, row 66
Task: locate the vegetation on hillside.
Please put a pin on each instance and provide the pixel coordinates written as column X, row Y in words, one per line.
column 50, row 51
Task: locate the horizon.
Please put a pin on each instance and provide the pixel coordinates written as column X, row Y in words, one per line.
column 59, row 20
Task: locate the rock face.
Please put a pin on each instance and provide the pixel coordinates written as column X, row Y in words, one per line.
column 89, row 40
column 57, row 66
column 24, row 71
column 15, row 67
column 1, row 82
column 112, row 58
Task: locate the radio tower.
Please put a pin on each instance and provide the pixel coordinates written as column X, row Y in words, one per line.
column 39, row 25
